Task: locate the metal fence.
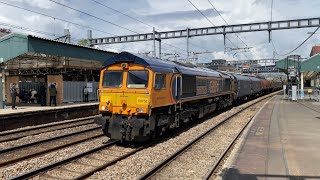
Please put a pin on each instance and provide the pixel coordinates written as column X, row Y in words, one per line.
column 306, row 94
column 73, row 91
column 30, row 85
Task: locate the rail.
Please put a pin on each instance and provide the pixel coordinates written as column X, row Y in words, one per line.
column 16, row 134
column 23, row 156
column 162, row 164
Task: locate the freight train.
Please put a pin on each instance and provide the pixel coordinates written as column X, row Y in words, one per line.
column 141, row 97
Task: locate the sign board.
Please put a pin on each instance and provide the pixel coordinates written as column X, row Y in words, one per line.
column 90, row 87
column 309, row 91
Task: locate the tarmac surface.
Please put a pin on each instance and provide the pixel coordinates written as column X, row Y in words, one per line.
column 283, row 142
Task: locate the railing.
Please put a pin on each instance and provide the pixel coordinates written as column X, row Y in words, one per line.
column 306, row 94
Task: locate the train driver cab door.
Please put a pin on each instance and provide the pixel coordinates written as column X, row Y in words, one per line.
column 176, row 87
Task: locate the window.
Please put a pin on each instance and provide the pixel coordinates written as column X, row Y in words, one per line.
column 138, row 79
column 112, row 79
column 160, row 81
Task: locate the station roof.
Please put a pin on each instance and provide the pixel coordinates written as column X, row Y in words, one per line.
column 14, row 45
column 284, row 63
column 311, row 64
column 310, row 67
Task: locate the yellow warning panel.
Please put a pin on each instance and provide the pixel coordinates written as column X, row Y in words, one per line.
column 309, row 91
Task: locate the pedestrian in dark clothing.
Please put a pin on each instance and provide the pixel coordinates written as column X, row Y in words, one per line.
column 43, row 95
column 22, row 95
column 13, row 92
column 86, row 94
column 53, row 94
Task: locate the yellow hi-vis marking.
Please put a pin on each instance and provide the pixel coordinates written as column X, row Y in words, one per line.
column 105, row 98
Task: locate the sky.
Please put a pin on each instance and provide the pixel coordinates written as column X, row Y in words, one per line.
column 168, row 15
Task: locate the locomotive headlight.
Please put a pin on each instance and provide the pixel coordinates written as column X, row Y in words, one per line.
column 139, row 110
column 104, row 108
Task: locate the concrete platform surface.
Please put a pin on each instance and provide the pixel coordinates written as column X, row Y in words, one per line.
column 29, row 108
column 283, row 143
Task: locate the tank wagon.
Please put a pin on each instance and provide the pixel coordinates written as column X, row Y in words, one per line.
column 141, row 97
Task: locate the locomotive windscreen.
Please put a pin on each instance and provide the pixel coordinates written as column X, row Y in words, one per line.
column 112, row 79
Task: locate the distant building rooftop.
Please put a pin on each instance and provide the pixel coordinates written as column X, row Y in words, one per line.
column 315, row 50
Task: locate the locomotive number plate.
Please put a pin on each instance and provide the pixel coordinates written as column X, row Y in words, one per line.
column 142, row 101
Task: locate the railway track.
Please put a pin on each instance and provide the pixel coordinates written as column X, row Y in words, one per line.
column 182, row 158
column 33, row 149
column 78, row 166
column 17, row 134
column 84, row 164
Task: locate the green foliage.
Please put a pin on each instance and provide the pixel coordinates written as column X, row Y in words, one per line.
column 83, row 42
column 4, row 30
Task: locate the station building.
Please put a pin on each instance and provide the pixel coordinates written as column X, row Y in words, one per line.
column 31, row 61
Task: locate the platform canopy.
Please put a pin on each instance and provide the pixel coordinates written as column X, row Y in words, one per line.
column 23, row 53
column 310, row 67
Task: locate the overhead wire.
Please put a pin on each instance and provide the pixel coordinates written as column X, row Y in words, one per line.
column 93, row 16
column 209, row 20
column 301, row 43
column 228, row 24
column 35, row 31
column 109, row 22
column 63, row 20
column 285, row 54
column 212, row 23
column 45, row 33
column 27, row 29
column 106, row 6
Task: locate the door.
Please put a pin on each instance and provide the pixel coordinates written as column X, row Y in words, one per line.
column 176, row 87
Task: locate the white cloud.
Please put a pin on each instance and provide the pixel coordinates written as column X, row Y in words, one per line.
column 222, row 55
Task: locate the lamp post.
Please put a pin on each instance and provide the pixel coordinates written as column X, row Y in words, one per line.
column 1, row 87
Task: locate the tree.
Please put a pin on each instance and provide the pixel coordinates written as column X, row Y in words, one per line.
column 83, row 42
column 4, row 30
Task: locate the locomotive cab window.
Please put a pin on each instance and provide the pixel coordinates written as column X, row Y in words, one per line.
column 137, row 79
column 112, row 79
column 160, row 81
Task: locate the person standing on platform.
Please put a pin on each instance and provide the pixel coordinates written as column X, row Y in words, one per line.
column 43, row 95
column 13, row 92
column 86, row 94
column 53, row 94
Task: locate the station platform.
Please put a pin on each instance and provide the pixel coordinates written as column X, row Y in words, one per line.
column 26, row 108
column 34, row 114
column 283, row 142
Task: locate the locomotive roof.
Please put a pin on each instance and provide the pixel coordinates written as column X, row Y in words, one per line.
column 155, row 64
column 159, row 65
